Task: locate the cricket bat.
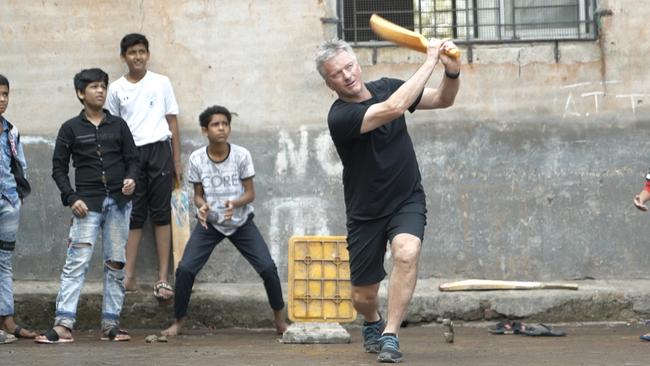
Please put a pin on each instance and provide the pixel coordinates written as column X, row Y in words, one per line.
column 180, row 223
column 404, row 37
column 486, row 285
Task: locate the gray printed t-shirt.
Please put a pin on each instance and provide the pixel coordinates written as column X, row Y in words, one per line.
column 222, row 181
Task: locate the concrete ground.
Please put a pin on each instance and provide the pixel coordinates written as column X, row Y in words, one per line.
column 585, row 344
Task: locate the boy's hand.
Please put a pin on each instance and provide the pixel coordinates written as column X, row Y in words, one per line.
column 178, row 171
column 202, row 215
column 128, row 186
column 640, row 204
column 229, row 210
column 79, row 208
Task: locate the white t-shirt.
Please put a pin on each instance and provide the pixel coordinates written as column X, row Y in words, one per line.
column 144, row 105
column 222, row 181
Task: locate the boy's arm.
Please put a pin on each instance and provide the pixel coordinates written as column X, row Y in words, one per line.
column 60, row 166
column 176, row 146
column 131, row 160
column 202, row 207
column 130, row 153
column 20, row 154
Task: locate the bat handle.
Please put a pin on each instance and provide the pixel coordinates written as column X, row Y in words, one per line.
column 424, row 44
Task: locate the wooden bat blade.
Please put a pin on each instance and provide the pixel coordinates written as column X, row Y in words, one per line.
column 404, row 37
column 487, row 285
column 180, row 224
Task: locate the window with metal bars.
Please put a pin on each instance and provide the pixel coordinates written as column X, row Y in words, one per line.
column 473, row 21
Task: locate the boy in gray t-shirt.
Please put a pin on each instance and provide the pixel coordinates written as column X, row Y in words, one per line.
column 222, row 174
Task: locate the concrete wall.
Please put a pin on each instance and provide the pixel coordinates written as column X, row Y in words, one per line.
column 529, row 176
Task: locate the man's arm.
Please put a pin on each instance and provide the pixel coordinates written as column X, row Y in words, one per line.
column 176, row 146
column 399, row 102
column 445, row 95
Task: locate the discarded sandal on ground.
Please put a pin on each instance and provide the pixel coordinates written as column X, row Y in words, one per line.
column 505, row 327
column 645, row 337
column 162, row 286
column 52, row 337
column 6, row 338
column 116, row 334
column 540, row 330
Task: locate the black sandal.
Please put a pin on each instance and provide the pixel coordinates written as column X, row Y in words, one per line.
column 116, row 334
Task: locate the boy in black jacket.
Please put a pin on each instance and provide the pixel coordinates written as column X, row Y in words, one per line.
column 106, row 164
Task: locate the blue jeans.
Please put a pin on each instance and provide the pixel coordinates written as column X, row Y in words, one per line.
column 9, row 217
column 113, row 223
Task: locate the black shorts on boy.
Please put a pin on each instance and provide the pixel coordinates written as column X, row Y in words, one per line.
column 154, row 185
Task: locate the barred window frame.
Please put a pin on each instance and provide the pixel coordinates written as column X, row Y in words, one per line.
column 473, row 21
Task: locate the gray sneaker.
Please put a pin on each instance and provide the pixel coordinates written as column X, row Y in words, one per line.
column 371, row 333
column 389, row 349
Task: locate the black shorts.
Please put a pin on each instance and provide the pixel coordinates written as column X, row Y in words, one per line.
column 153, row 188
column 367, row 238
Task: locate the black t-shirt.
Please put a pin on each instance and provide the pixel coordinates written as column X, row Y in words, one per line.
column 380, row 169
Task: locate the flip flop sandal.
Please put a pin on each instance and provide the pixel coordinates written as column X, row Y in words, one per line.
column 162, row 285
column 17, row 333
column 645, row 337
column 52, row 337
column 541, row 330
column 6, row 338
column 116, row 334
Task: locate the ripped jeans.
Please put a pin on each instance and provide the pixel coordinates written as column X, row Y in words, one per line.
column 113, row 223
column 9, row 217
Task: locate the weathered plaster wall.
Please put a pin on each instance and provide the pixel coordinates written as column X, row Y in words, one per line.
column 529, row 176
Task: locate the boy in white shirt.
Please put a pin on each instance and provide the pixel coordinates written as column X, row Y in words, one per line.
column 145, row 100
column 222, row 174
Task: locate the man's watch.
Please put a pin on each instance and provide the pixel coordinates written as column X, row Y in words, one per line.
column 452, row 75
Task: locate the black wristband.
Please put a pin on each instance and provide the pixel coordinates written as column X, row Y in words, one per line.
column 452, row 76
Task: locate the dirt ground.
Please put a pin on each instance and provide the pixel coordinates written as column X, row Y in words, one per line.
column 593, row 344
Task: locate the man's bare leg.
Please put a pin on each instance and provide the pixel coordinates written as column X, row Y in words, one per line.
column 405, row 250
column 163, row 235
column 279, row 322
column 366, row 301
column 132, row 245
column 175, row 329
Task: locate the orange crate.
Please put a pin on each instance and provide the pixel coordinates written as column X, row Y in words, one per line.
column 319, row 280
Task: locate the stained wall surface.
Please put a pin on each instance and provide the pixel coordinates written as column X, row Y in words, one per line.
column 530, row 175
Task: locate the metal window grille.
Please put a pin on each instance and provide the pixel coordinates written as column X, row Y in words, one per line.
column 474, row 21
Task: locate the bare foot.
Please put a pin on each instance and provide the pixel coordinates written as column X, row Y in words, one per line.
column 10, row 327
column 130, row 284
column 280, row 328
column 278, row 321
column 174, row 330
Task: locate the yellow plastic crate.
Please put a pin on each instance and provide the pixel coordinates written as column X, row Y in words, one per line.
column 319, row 280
